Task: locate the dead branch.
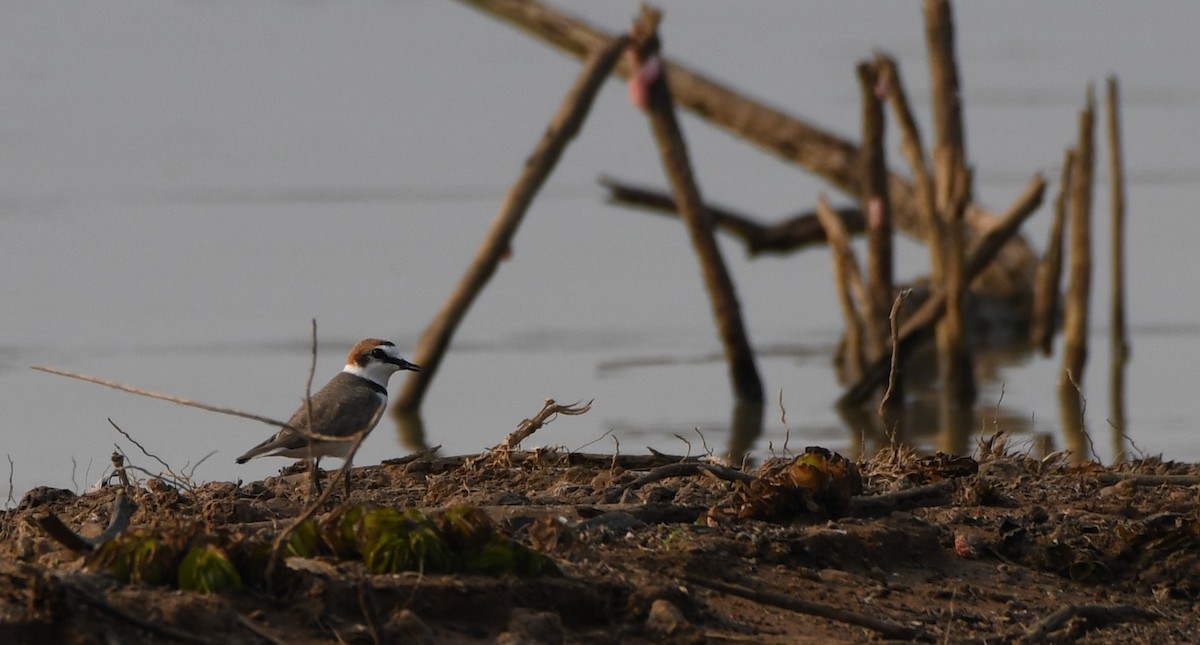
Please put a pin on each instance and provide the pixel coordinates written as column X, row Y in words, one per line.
column 686, row 469
column 916, row 328
column 548, row 413
column 1094, row 617
column 796, row 232
column 885, row 628
column 791, row 138
column 645, row 50
column 163, row 397
column 123, row 509
column 1135, row 479
column 935, row 494
column 554, row 458
column 563, row 127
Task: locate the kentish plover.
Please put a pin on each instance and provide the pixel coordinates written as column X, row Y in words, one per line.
column 352, row 402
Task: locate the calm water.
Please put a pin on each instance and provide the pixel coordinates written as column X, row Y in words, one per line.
column 184, row 185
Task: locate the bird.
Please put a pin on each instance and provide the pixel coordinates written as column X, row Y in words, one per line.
column 351, row 403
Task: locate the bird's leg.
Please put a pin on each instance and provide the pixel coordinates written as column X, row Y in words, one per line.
column 347, row 481
column 314, row 475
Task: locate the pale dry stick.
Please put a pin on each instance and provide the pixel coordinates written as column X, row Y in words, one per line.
column 887, row 409
column 791, row 138
column 565, row 125
column 645, row 49
column 1044, row 316
column 686, row 443
column 160, row 396
column 182, row 401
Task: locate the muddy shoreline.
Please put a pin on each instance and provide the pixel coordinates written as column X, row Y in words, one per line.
column 1012, row 549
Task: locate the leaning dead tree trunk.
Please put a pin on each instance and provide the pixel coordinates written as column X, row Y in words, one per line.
column 812, row 148
column 561, row 130
column 726, row 310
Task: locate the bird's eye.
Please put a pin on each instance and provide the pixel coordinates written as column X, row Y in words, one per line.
column 378, row 353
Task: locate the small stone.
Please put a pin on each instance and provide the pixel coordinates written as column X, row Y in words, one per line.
column 526, row 626
column 405, row 626
column 665, row 618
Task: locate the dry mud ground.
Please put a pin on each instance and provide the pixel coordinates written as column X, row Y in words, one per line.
column 1003, row 549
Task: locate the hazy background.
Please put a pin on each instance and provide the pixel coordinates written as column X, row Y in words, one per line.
column 184, row 185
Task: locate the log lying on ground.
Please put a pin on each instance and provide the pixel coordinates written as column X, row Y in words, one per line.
column 812, row 148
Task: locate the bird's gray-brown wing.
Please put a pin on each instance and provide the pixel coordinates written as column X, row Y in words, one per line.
column 341, row 408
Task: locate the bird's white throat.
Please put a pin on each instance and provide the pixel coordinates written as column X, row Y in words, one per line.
column 377, row 373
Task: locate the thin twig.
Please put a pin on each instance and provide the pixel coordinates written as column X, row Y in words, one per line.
column 787, row 429
column 886, row 408
column 177, row 478
column 158, row 395
column 885, row 628
column 11, row 468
